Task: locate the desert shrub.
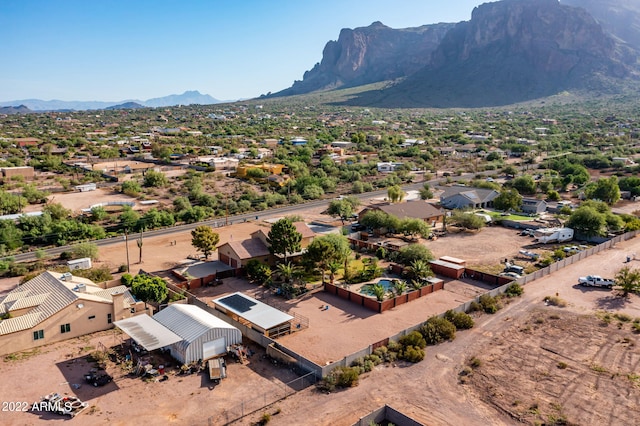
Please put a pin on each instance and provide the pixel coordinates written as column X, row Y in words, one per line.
column 475, row 307
column 489, row 304
column 466, row 371
column 475, row 362
column 346, row 377
column 375, row 359
column 562, row 365
column 461, row 320
column 381, row 253
column 622, row 317
column 413, row 354
column 328, row 383
column 555, row 301
column 97, row 275
column 382, row 353
column 264, row 419
column 413, row 339
column 514, row 290
column 437, row 330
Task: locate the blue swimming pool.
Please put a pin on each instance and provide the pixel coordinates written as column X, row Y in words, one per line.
column 368, row 288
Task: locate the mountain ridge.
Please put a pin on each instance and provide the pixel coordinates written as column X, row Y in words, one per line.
column 510, row 51
column 189, row 97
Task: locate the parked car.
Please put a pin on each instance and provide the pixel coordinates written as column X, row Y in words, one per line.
column 357, row 227
column 596, row 281
column 97, row 379
column 510, row 275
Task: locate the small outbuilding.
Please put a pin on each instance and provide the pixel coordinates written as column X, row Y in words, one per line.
column 255, row 314
column 203, row 335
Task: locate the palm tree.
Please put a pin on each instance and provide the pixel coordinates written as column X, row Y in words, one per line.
column 420, row 270
column 286, row 271
column 333, row 268
column 417, row 284
column 378, row 291
column 399, row 286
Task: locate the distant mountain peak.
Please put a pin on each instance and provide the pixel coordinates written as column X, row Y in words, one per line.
column 187, row 98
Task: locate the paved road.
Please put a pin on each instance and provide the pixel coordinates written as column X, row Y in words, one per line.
column 221, row 221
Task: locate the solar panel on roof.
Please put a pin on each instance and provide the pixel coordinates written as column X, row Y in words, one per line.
column 238, row 303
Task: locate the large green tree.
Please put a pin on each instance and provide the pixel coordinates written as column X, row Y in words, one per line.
column 204, row 239
column 284, row 238
column 605, row 189
column 343, row 208
column 147, row 288
column 155, row 179
column 509, row 199
column 395, row 194
column 587, row 221
column 524, row 184
column 413, row 227
column 467, row 220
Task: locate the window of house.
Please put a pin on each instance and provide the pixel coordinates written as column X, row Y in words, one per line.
column 65, row 328
column 109, row 319
column 37, row 335
column 92, row 317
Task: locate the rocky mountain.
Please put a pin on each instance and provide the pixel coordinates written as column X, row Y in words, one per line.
column 187, row 98
column 510, row 51
column 370, row 54
column 15, row 110
column 126, row 105
column 621, row 18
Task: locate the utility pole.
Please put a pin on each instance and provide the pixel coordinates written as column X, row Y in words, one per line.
column 126, row 243
column 226, row 210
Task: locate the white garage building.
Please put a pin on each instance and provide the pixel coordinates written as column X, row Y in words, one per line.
column 189, row 332
column 203, row 335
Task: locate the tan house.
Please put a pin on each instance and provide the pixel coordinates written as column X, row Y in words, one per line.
column 53, row 307
column 24, row 171
column 237, row 253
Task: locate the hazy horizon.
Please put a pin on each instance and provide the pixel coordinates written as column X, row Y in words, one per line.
column 74, row 50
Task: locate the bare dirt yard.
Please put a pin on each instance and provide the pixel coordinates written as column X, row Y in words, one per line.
column 519, row 377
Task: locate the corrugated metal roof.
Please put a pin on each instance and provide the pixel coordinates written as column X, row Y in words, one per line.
column 148, row 332
column 258, row 313
column 47, row 294
column 189, row 321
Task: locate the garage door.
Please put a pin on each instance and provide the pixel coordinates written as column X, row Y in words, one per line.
column 214, row 348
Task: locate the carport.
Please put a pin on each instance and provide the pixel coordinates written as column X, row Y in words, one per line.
column 147, row 332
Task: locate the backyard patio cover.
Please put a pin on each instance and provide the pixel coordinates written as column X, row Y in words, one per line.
column 147, row 332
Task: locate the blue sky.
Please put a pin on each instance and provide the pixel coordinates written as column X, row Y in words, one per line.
column 111, row 50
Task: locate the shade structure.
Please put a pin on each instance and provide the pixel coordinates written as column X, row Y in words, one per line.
column 147, row 332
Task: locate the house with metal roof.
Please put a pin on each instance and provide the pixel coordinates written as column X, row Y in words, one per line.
column 460, row 197
column 188, row 332
column 53, row 307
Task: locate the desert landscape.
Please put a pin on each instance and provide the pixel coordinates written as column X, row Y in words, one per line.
column 524, row 341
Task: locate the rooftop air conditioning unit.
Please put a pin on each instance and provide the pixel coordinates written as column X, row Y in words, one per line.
column 66, row 276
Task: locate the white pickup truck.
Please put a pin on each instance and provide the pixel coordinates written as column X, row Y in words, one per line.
column 595, row 281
